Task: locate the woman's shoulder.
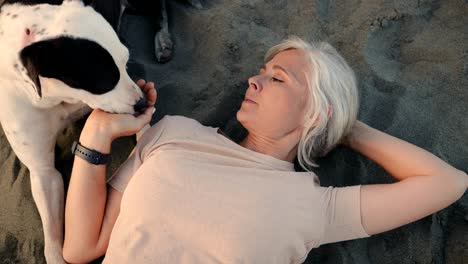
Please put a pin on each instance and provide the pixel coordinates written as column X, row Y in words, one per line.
column 180, row 126
column 180, row 122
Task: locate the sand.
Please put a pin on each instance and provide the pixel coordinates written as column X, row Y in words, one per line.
column 411, row 60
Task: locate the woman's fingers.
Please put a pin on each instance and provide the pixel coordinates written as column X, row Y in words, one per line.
column 144, row 86
column 141, row 82
column 145, row 118
column 126, row 124
column 151, row 95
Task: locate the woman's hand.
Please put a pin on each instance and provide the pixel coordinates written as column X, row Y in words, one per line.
column 118, row 125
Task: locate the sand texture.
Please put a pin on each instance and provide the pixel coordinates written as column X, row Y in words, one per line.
column 411, row 61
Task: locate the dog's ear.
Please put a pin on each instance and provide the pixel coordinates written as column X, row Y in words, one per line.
column 30, row 62
column 79, row 63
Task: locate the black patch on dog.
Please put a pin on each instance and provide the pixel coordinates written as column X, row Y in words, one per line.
column 80, row 63
column 36, row 2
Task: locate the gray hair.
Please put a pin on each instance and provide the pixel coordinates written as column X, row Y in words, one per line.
column 331, row 85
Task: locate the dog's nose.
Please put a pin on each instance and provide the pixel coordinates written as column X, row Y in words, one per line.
column 140, row 105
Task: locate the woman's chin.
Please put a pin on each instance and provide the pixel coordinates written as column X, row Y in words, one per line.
column 242, row 116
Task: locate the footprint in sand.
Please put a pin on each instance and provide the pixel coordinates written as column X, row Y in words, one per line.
column 420, row 50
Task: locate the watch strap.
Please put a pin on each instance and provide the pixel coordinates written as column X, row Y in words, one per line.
column 90, row 155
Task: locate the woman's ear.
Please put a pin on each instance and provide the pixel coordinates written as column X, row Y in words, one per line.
column 330, row 111
column 329, row 114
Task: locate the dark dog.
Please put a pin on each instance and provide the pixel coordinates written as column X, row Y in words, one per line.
column 112, row 10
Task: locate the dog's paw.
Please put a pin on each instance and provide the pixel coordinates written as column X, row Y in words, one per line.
column 163, row 46
column 53, row 255
column 196, row 3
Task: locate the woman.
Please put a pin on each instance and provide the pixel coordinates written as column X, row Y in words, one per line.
column 188, row 194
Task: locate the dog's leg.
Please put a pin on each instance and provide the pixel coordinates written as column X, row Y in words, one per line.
column 48, row 193
column 47, row 183
column 34, row 146
column 163, row 45
column 123, row 5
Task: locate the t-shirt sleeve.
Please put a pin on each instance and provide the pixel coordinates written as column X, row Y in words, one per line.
column 342, row 214
column 122, row 176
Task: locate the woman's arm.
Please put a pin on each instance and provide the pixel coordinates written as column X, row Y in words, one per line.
column 92, row 208
column 400, row 158
column 85, row 232
column 426, row 183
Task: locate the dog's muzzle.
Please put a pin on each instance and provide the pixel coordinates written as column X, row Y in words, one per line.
column 140, row 106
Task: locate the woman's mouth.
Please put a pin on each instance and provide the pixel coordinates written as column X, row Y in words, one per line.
column 250, row 101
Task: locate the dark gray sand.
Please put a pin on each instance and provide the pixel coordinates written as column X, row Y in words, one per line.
column 411, row 60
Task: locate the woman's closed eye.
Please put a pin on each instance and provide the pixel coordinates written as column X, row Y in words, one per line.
column 272, row 78
column 276, row 80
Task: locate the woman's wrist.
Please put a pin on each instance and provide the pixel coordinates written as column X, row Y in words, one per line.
column 96, row 137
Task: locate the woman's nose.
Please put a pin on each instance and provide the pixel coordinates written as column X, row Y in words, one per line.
column 254, row 83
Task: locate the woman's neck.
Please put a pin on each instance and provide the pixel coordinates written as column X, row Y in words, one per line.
column 280, row 149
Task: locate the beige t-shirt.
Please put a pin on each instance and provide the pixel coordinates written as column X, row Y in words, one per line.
column 191, row 195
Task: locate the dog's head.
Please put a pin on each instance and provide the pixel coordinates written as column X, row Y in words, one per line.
column 71, row 53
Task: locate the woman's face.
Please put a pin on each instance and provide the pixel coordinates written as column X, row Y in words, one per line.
column 275, row 101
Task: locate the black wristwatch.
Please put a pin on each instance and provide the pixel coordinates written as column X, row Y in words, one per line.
column 90, row 155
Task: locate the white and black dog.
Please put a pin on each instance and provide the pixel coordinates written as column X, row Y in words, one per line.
column 56, row 61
